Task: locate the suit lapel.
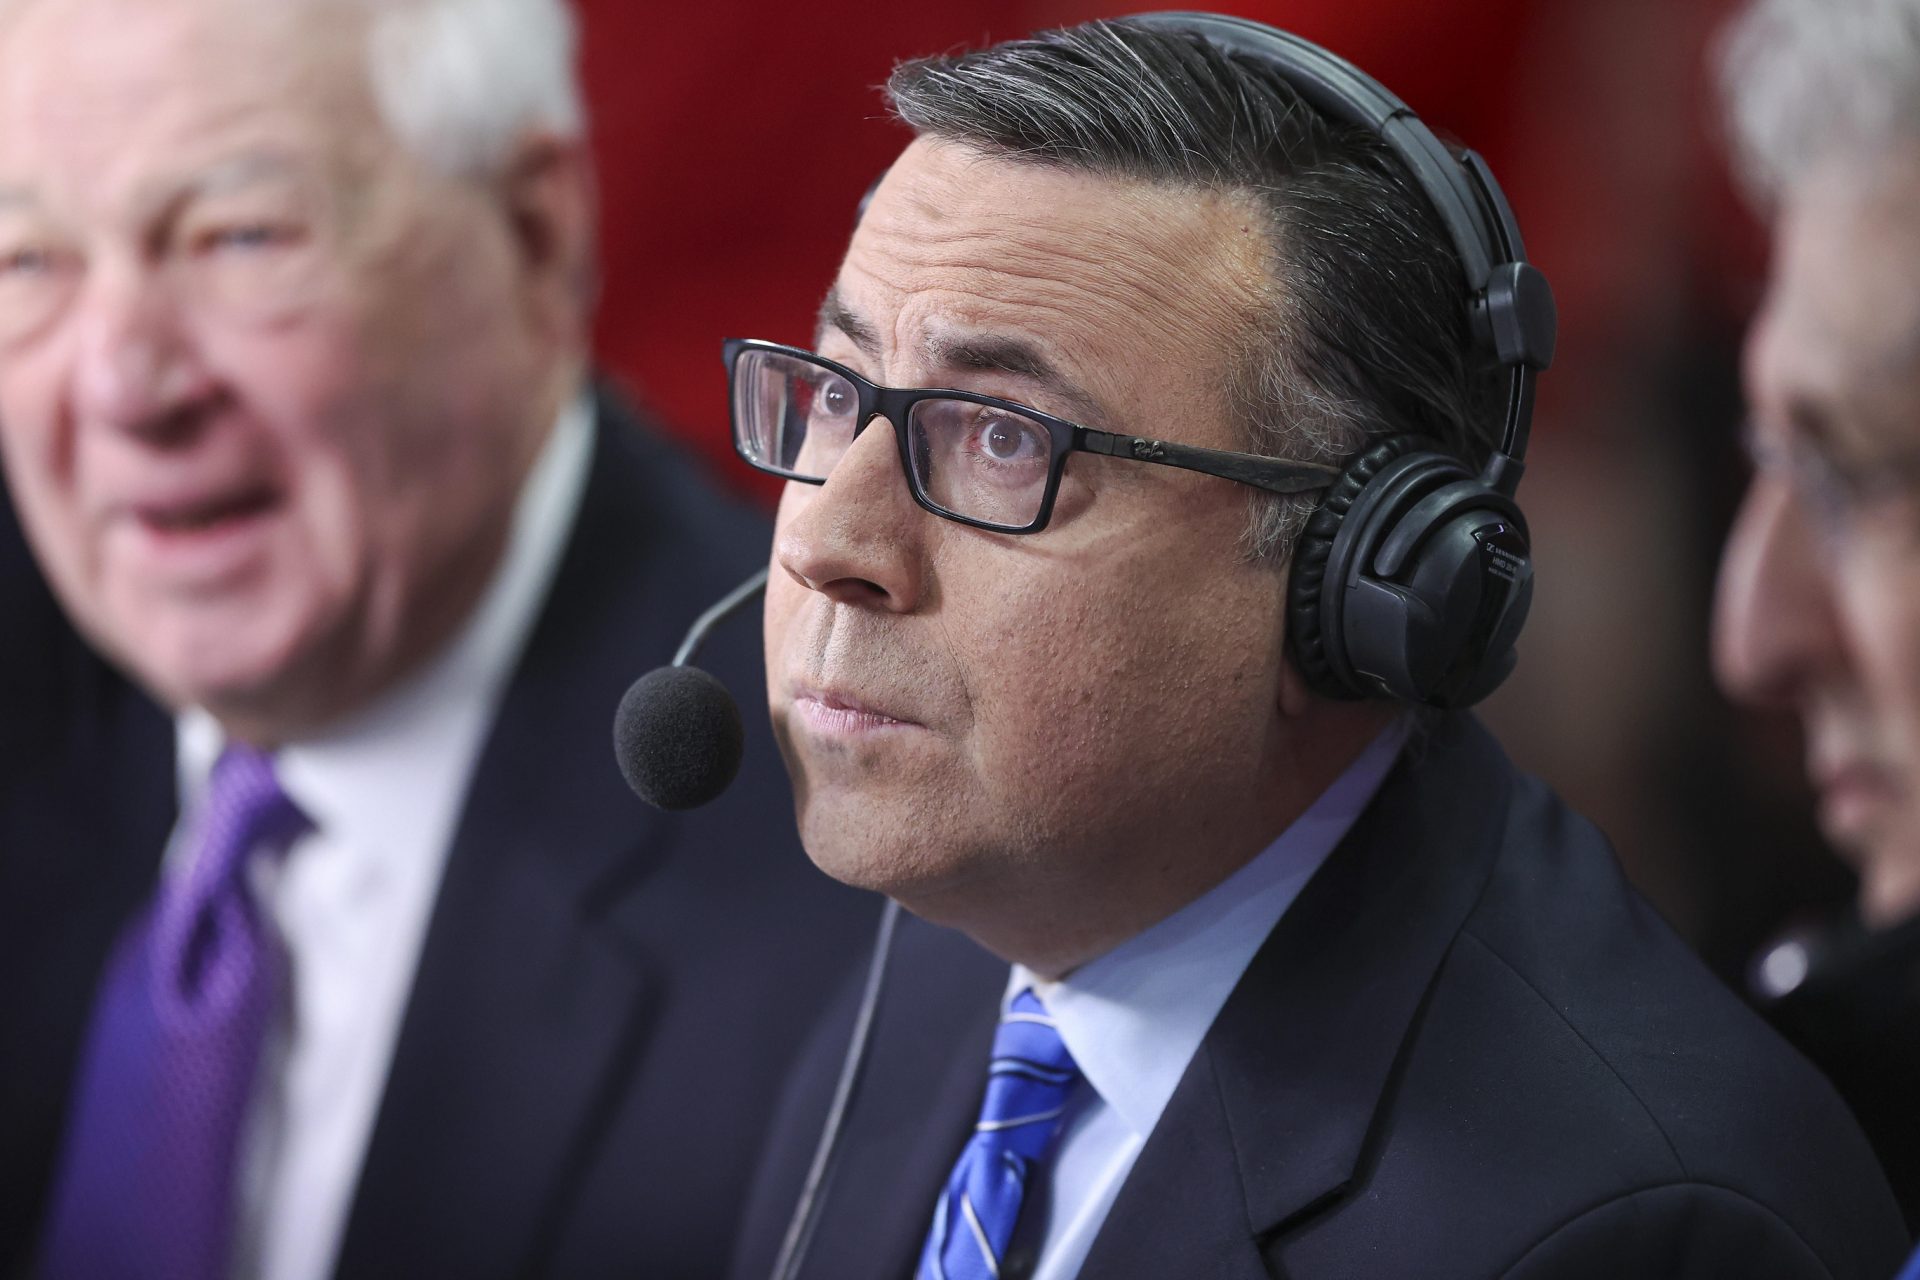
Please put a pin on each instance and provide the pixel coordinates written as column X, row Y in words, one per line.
column 1182, row 1211
column 1271, row 1120
column 915, row 1106
column 529, row 1006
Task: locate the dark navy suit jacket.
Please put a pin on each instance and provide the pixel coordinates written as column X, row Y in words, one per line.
column 608, row 995
column 1468, row 1050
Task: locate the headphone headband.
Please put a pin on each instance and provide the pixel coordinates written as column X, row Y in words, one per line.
column 1510, row 303
column 1413, row 577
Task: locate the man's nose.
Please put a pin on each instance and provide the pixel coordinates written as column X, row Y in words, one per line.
column 1774, row 623
column 137, row 368
column 858, row 538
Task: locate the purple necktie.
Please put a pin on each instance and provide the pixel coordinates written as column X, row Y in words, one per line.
column 146, row 1181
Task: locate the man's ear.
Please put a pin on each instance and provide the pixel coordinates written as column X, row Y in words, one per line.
column 548, row 195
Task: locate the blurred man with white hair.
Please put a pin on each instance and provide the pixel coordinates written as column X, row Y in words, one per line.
column 1819, row 606
column 330, row 940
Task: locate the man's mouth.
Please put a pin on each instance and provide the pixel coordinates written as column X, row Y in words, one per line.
column 1854, row 798
column 205, row 515
column 841, row 714
column 204, row 539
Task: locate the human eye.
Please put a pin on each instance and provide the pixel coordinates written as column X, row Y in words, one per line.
column 256, row 255
column 243, row 220
column 31, row 252
column 245, row 236
column 997, row 438
column 834, row 397
column 36, row 275
column 827, row 401
column 1848, row 496
column 1878, row 499
column 25, row 261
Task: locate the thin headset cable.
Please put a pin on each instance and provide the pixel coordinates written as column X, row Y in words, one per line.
column 806, row 1213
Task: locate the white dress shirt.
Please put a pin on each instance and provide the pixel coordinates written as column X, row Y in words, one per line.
column 1134, row 1017
column 384, row 790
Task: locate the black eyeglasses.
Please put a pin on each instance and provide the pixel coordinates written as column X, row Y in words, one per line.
column 990, row 463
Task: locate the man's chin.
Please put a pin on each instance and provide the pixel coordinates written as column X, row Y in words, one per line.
column 242, row 677
column 902, row 863
column 856, row 867
column 1889, row 865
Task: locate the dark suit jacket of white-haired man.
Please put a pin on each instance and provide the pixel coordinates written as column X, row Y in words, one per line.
column 1819, row 602
column 299, row 426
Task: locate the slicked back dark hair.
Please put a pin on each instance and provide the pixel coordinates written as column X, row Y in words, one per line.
column 1366, row 334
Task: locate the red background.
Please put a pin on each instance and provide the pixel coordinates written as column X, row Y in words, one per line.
column 734, row 139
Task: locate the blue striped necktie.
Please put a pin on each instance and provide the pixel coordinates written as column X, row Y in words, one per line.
column 1912, row 1270
column 1027, row 1088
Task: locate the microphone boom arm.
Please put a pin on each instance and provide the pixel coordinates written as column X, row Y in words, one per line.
column 697, row 634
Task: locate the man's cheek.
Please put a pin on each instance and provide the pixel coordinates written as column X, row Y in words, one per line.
column 1038, row 742
column 1888, row 623
column 70, row 551
column 777, row 618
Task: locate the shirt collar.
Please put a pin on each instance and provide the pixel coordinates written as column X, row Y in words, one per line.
column 1134, row 1017
column 391, row 776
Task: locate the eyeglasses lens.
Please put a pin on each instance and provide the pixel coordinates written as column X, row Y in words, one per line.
column 983, row 462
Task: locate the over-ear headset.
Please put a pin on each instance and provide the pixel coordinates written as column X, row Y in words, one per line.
column 1414, row 575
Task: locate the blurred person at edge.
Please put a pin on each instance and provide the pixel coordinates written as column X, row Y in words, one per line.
column 299, row 425
column 1819, row 597
column 1210, row 972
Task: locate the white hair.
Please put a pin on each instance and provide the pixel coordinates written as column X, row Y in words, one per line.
column 1806, row 80
column 460, row 81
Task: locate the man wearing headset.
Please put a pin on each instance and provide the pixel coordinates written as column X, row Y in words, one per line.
column 1242, row 974
column 1819, row 608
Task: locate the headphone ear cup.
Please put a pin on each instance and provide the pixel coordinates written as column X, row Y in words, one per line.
column 1501, row 620
column 1310, row 631
column 1410, row 582
column 1436, row 596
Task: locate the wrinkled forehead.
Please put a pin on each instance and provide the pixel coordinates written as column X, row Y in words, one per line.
column 1100, row 270
column 1839, row 328
column 98, row 97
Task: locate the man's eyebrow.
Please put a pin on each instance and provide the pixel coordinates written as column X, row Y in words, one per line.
column 244, row 171
column 236, row 173
column 230, row 175
column 835, row 314
column 971, row 353
column 989, row 353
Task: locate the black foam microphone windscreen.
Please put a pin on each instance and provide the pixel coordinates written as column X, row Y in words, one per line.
column 678, row 737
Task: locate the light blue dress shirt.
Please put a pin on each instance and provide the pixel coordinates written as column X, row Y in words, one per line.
column 1134, row 1017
